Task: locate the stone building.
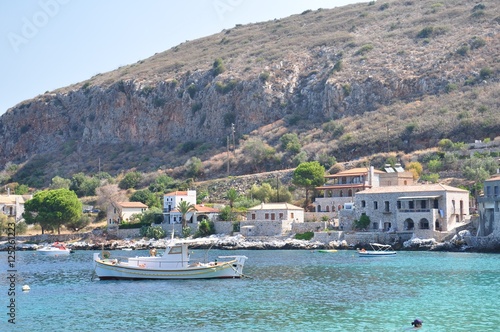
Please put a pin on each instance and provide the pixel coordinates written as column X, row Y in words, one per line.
column 341, row 188
column 271, row 219
column 489, row 207
column 424, row 209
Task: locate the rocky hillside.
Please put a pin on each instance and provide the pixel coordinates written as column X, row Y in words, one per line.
column 350, row 81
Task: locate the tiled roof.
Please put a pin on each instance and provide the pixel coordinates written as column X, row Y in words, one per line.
column 177, row 193
column 275, row 206
column 132, row 204
column 412, row 189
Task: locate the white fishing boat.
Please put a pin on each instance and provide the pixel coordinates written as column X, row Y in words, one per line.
column 55, row 249
column 377, row 250
column 173, row 263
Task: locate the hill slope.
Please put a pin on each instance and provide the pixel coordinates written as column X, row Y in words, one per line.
column 350, row 81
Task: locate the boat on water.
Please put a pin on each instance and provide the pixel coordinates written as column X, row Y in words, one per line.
column 327, row 250
column 54, row 249
column 377, row 250
column 173, row 263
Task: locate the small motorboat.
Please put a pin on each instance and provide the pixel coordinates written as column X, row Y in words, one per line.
column 55, row 249
column 173, row 263
column 377, row 250
column 327, row 250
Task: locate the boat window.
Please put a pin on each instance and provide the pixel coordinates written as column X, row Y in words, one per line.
column 175, row 250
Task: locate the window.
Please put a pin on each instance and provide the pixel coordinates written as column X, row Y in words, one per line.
column 436, row 204
column 266, row 217
column 411, row 205
column 273, row 216
column 424, row 224
column 363, row 203
column 253, row 216
column 399, row 205
column 496, row 191
column 423, row 204
column 386, row 206
column 488, row 191
column 281, row 215
column 349, row 193
column 291, row 215
column 375, row 205
column 319, row 208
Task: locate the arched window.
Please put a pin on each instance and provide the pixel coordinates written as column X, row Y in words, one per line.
column 423, row 224
column 409, row 225
column 349, row 193
column 319, row 208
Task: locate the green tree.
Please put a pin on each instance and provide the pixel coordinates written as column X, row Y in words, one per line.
column 151, row 216
column 205, row 228
column 84, row 185
column 258, row 152
column 184, row 208
column 227, row 214
column 309, row 175
column 434, row 165
column 232, row 195
column 147, row 197
column 362, row 223
column 161, row 184
column 22, row 189
column 130, row 180
column 194, row 167
column 263, row 192
column 79, row 223
column 52, row 208
column 290, row 142
column 59, row 182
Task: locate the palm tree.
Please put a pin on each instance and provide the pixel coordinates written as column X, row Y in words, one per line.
column 232, row 195
column 184, row 208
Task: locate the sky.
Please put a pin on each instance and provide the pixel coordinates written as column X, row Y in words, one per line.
column 49, row 44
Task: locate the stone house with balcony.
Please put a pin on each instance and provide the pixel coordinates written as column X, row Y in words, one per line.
column 489, row 207
column 427, row 210
column 341, row 188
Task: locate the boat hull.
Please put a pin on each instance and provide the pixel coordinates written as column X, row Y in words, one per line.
column 376, row 254
column 57, row 252
column 109, row 269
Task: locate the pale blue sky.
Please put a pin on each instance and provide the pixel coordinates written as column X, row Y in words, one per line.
column 48, row 44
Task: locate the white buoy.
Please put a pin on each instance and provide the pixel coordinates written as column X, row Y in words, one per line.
column 26, row 288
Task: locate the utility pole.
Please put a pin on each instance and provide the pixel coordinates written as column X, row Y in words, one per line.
column 228, row 155
column 234, row 145
column 277, row 188
column 388, row 148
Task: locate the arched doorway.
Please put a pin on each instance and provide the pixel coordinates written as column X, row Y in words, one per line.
column 409, row 224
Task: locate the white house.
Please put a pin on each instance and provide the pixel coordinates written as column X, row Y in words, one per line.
column 171, row 201
column 13, row 205
column 119, row 212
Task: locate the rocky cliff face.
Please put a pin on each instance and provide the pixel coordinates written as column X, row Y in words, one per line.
column 361, row 65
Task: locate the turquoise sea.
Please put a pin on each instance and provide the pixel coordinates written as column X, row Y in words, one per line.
column 286, row 290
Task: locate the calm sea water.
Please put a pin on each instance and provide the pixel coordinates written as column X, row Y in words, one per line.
column 286, row 291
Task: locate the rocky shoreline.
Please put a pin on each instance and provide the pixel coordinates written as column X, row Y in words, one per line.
column 91, row 241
